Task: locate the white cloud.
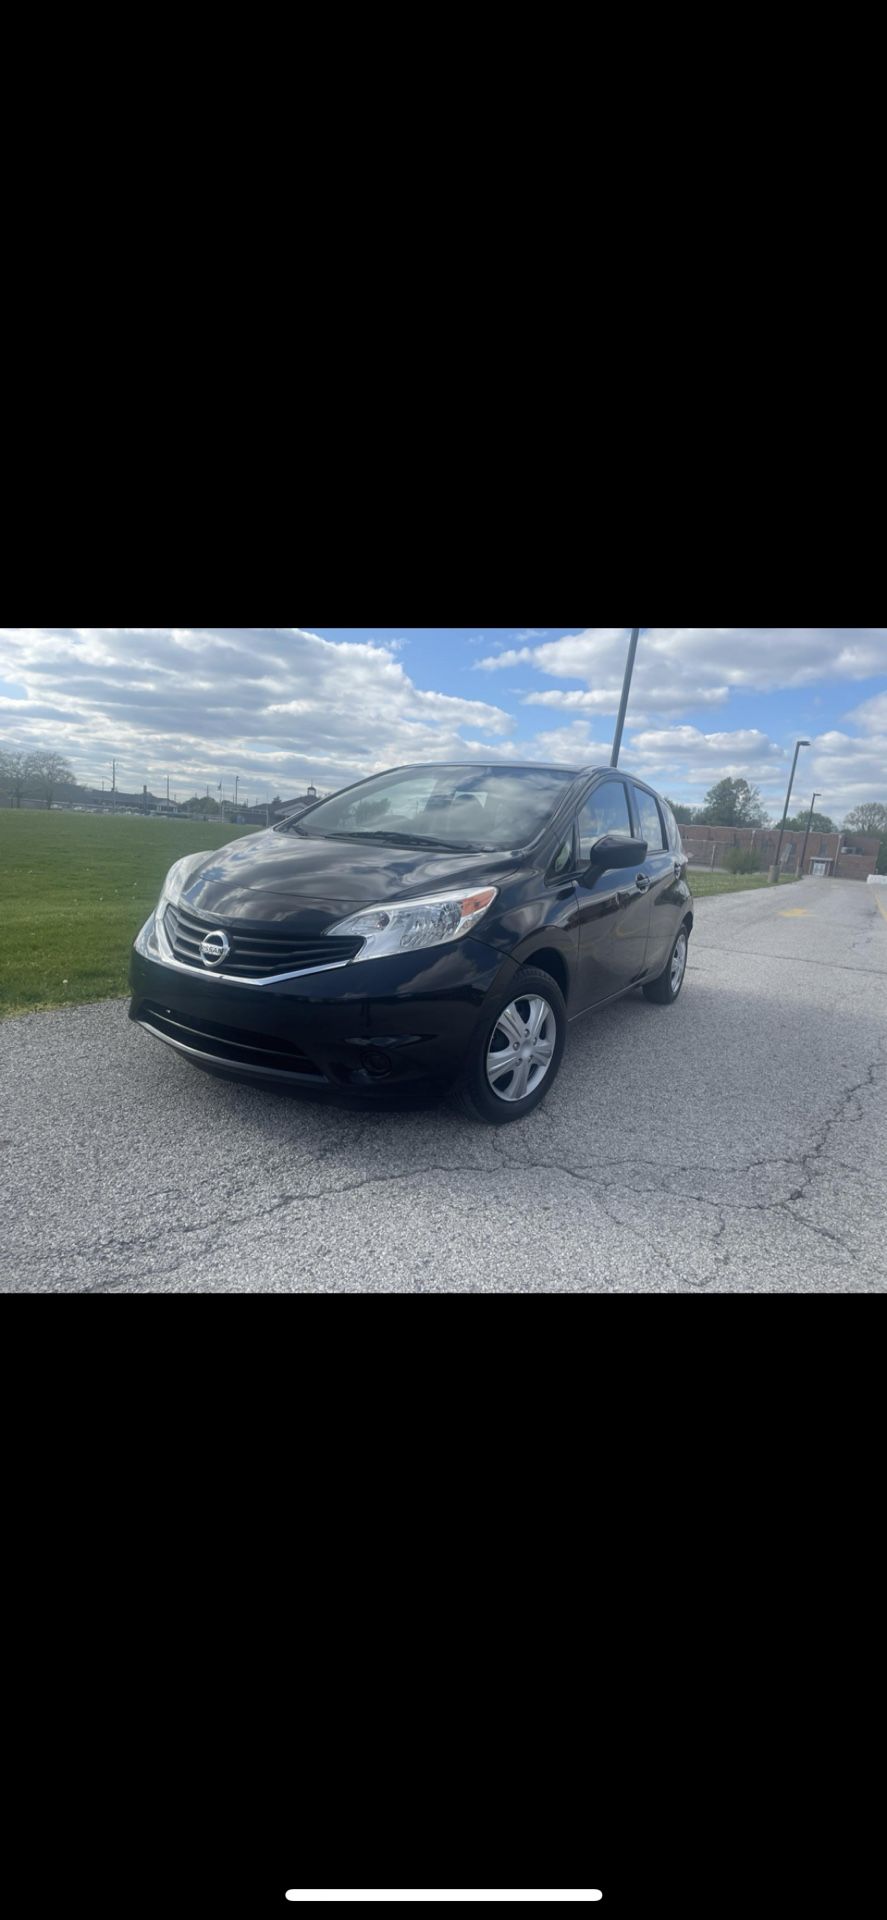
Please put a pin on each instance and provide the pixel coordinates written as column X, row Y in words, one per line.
column 278, row 705
column 746, row 744
column 683, row 667
column 687, row 762
column 606, row 700
column 848, row 771
column 570, row 746
column 872, row 715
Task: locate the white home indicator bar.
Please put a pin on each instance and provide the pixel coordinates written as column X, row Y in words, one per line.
column 485, row 1893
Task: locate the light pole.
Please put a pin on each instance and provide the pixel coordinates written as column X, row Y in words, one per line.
column 816, row 796
column 774, row 870
column 626, row 688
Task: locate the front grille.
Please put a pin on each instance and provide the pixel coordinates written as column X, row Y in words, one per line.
column 256, row 951
column 233, row 1046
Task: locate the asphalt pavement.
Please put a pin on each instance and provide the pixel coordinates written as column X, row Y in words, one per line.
column 734, row 1143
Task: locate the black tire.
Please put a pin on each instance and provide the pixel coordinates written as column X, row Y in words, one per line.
column 475, row 1095
column 663, row 991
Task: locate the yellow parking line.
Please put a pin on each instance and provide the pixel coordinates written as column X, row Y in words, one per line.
column 794, row 913
column 880, row 906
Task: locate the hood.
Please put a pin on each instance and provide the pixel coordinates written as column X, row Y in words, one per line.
column 309, row 884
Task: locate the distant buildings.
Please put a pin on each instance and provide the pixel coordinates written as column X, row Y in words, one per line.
column 70, row 799
column 834, row 856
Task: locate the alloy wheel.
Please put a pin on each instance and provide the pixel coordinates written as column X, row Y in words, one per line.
column 678, row 962
column 521, row 1048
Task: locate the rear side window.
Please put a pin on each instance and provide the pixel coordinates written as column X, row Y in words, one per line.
column 672, row 830
column 651, row 823
column 605, row 811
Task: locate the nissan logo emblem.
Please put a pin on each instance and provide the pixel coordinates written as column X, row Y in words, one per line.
column 214, row 949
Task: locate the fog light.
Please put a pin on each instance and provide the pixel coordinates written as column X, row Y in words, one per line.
column 376, row 1062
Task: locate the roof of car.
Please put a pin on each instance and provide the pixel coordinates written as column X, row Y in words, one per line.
column 515, row 766
column 494, row 766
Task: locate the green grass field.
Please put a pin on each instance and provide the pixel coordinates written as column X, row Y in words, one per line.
column 702, row 884
column 75, row 888
column 74, row 891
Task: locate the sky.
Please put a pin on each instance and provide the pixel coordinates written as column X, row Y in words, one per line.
column 281, row 707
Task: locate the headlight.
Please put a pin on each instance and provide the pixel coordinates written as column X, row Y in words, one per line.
column 407, row 926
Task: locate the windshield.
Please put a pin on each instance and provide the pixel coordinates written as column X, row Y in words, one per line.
column 489, row 809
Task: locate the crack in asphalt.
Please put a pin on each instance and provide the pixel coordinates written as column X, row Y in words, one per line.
column 290, row 1179
column 591, row 1175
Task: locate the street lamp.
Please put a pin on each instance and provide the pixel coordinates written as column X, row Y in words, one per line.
column 816, row 796
column 774, row 870
column 626, row 688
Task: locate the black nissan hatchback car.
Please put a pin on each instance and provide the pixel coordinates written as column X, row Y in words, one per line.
column 436, row 924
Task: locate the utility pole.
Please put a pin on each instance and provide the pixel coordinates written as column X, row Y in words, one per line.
column 236, row 786
column 773, row 876
column 114, row 786
column 626, row 688
column 816, row 796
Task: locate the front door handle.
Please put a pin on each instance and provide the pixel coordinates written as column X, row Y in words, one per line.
column 642, row 883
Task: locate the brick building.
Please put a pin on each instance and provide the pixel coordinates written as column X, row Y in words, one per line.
column 838, row 856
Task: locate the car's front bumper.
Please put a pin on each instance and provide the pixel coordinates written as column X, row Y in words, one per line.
column 368, row 1026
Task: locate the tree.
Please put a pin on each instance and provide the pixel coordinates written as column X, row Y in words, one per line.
column 732, row 803
column 48, row 771
column 871, row 818
column 684, row 815
column 201, row 807
column 15, row 776
column 820, row 823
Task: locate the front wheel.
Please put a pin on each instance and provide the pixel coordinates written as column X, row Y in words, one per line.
column 517, row 1052
column 665, row 990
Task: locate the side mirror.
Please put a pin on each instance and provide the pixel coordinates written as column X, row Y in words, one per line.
column 613, row 851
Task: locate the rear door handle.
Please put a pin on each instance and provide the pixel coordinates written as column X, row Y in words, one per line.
column 642, row 883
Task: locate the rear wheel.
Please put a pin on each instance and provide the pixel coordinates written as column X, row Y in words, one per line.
column 517, row 1053
column 665, row 990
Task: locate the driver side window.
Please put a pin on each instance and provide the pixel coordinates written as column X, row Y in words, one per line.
column 605, row 811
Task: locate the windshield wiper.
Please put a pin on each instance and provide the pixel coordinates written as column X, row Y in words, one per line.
column 393, row 839
column 390, row 839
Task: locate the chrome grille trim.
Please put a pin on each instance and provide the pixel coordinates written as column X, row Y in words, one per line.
column 164, row 957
